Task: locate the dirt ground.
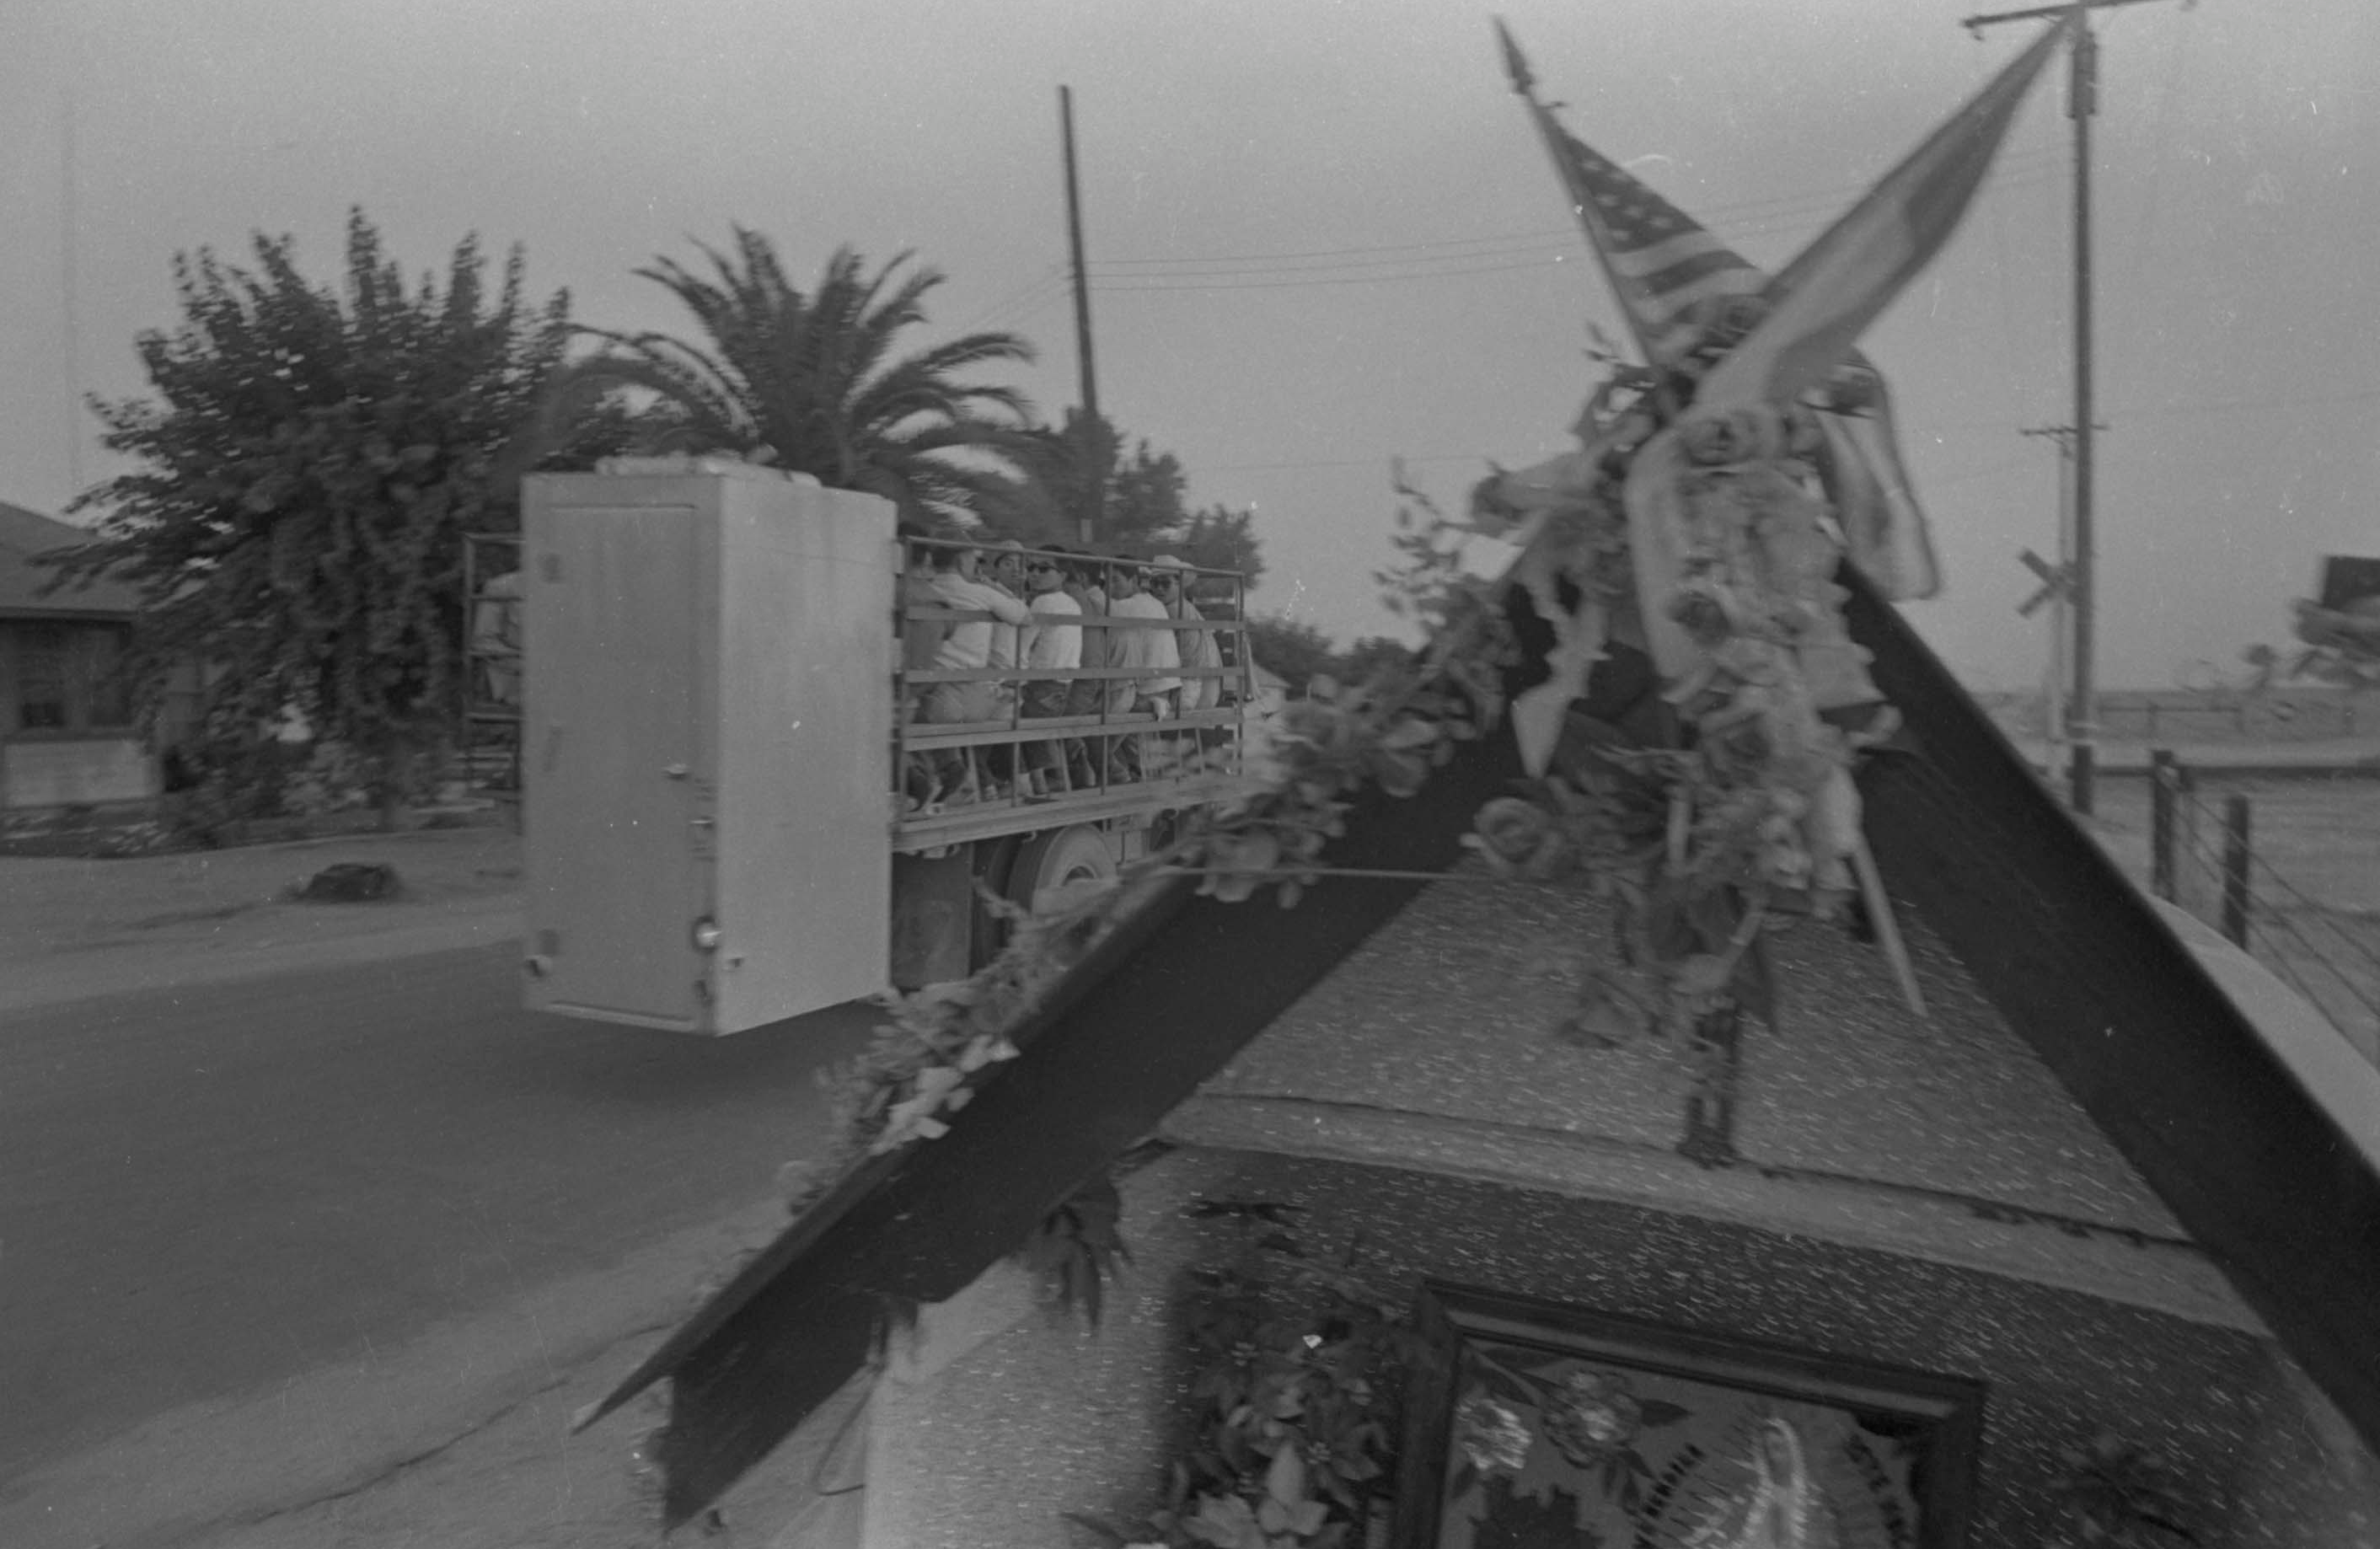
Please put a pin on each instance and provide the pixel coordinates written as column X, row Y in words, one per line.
column 2314, row 878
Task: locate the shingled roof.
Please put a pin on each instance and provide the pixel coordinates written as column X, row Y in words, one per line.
column 26, row 533
column 2258, row 1174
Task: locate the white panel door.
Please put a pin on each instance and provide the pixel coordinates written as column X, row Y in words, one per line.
column 619, row 855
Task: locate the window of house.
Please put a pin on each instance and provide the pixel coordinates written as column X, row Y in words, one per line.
column 106, row 691
column 41, row 677
column 72, row 678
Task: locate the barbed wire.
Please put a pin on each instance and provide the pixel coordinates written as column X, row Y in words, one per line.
column 2269, row 921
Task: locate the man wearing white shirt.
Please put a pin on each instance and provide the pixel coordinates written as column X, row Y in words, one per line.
column 1007, row 575
column 1047, row 645
column 967, row 647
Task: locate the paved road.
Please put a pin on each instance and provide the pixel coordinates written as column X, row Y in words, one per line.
column 210, row 1189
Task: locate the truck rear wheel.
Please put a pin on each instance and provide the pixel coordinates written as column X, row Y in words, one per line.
column 1082, row 854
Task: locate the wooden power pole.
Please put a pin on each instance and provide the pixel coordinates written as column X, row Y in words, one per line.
column 2082, row 101
column 1090, row 432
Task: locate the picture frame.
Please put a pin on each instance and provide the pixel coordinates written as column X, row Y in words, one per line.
column 1533, row 1423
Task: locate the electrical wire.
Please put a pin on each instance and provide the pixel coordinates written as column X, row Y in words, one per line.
column 2215, row 406
column 1101, row 274
column 1035, row 311
column 1768, row 208
column 1355, row 462
column 1546, row 235
column 1113, row 287
column 983, row 318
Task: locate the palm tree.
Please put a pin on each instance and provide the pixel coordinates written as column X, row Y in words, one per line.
column 810, row 384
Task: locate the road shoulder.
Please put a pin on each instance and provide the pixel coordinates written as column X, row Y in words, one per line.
column 74, row 929
column 402, row 1438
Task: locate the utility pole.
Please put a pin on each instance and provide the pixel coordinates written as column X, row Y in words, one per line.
column 1092, row 451
column 2082, row 101
column 2057, row 592
column 69, row 220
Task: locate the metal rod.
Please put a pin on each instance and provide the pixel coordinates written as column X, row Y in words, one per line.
column 1888, row 930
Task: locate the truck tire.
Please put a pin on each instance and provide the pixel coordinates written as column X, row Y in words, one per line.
column 1053, row 859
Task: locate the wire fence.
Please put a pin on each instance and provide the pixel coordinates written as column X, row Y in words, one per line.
column 2206, row 858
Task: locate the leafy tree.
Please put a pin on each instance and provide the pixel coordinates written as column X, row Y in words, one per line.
column 1221, row 539
column 810, row 383
column 1297, row 651
column 1142, row 509
column 1360, row 660
column 306, row 469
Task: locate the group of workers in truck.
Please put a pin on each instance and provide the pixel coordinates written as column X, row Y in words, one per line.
column 1026, row 611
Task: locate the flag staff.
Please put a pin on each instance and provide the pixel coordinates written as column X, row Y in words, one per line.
column 1525, row 83
column 1092, row 433
column 2081, row 103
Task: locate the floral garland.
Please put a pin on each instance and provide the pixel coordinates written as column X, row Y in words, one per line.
column 1706, row 541
column 1296, row 1367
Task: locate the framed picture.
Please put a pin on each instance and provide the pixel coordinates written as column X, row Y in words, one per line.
column 1533, row 1426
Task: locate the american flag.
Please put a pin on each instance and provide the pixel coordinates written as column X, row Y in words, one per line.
column 1661, row 263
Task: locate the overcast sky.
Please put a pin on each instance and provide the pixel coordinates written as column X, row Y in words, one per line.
column 1324, row 235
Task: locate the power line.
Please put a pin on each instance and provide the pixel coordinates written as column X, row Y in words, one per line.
column 1113, row 287
column 1053, row 274
column 1106, row 280
column 1101, row 272
column 1774, row 206
column 2214, row 405
column 1547, row 233
column 1033, row 304
column 1381, row 461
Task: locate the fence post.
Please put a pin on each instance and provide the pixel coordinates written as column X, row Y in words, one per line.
column 2191, row 846
column 2235, row 869
column 2161, row 791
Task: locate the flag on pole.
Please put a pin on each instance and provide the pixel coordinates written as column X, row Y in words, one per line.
column 1840, row 282
column 1663, row 266
column 1659, row 261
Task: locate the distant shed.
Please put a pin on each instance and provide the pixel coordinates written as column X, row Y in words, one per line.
column 67, row 736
